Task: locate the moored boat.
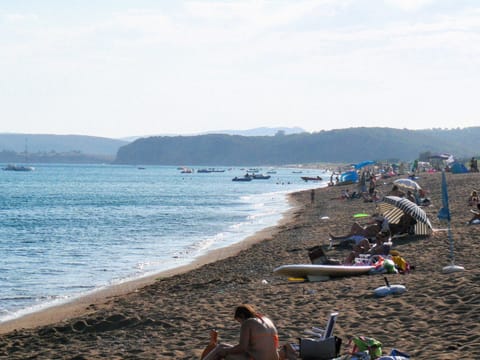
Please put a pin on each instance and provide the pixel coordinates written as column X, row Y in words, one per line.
column 242, row 178
column 260, row 177
column 13, row 167
column 311, row 178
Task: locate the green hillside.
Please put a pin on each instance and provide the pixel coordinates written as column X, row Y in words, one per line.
column 344, row 145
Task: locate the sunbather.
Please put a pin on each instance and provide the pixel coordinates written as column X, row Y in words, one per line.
column 473, row 199
column 258, row 338
column 358, row 231
column 381, row 246
column 476, row 216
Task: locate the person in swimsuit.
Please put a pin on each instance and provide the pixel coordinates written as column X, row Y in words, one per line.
column 358, row 232
column 258, row 338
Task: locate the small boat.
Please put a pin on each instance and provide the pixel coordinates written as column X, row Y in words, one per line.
column 13, row 167
column 186, row 170
column 243, row 178
column 311, row 178
column 210, row 170
column 260, row 177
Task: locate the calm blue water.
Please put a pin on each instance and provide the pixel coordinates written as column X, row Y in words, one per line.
column 67, row 230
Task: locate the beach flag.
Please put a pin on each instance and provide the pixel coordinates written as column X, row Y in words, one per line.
column 444, row 213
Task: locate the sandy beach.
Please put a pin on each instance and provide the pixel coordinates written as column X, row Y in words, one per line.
column 169, row 316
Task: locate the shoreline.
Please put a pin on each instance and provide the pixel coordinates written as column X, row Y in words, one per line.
column 171, row 318
column 80, row 305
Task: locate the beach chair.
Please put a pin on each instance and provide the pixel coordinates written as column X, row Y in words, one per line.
column 328, row 331
column 324, row 346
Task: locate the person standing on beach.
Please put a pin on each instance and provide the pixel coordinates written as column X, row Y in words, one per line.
column 258, row 338
column 312, row 196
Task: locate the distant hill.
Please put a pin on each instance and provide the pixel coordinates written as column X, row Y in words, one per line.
column 60, row 143
column 343, row 145
column 44, row 148
column 260, row 131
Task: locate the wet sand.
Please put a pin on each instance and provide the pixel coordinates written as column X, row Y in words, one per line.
column 169, row 316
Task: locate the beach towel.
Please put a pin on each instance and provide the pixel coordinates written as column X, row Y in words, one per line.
column 363, row 343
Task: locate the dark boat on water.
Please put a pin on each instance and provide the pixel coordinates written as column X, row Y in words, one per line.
column 13, row 167
column 243, row 178
column 311, row 178
column 260, row 177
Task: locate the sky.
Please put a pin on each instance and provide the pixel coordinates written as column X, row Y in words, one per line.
column 120, row 68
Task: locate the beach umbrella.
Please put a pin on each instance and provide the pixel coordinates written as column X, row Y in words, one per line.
column 364, row 163
column 393, row 207
column 408, row 184
column 440, row 156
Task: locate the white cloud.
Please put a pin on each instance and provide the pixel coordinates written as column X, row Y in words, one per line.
column 250, row 62
column 409, row 5
column 20, row 18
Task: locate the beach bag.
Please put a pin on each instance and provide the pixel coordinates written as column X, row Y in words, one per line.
column 320, row 349
column 363, row 343
column 402, row 265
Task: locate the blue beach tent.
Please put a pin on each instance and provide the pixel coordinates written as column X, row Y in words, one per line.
column 458, row 168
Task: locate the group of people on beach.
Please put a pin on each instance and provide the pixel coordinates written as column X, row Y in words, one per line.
column 374, row 238
column 258, row 334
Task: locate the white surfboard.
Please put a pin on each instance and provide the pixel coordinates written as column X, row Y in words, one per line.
column 306, row 270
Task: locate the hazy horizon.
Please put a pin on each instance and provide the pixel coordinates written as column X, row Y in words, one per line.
column 117, row 69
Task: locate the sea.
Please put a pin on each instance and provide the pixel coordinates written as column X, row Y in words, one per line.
column 69, row 230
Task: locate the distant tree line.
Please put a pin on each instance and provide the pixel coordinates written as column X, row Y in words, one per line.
column 338, row 146
column 73, row 157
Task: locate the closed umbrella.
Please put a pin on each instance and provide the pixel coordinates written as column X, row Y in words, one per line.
column 393, row 207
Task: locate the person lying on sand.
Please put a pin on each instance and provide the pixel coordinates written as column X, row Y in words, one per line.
column 381, row 246
column 476, row 216
column 258, row 338
column 358, row 231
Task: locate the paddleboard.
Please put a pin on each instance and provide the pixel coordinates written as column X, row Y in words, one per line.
column 305, row 270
